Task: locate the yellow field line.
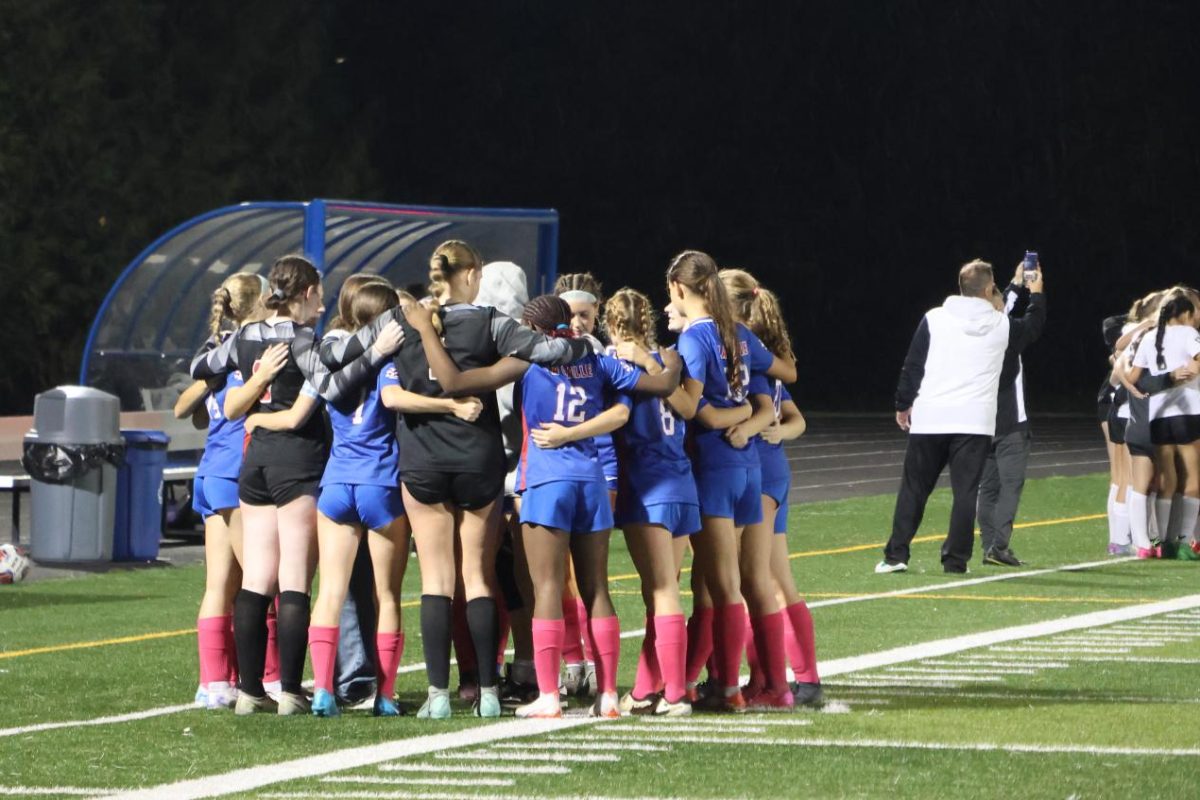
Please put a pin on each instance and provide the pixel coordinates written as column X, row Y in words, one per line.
column 413, row 603
column 989, row 597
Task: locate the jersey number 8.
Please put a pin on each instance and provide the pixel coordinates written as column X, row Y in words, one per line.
column 668, row 418
column 570, row 410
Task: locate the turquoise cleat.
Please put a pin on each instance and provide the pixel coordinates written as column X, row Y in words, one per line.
column 387, row 707
column 325, row 704
column 436, row 706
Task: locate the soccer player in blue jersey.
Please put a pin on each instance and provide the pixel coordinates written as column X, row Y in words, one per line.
column 721, row 358
column 214, row 491
column 757, row 307
column 562, row 484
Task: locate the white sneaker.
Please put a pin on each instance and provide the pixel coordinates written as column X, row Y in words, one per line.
column 220, row 695
column 883, row 567
column 273, row 689
column 293, row 705
column 201, row 698
column 547, row 706
column 665, row 708
column 607, row 706
column 633, row 705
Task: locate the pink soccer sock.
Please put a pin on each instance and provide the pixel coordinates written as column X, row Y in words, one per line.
column 728, row 638
column 699, row 642
column 572, row 650
column 757, row 679
column 271, row 665
column 390, row 647
column 802, row 624
column 231, row 648
column 323, row 644
column 213, row 644
column 648, row 677
column 670, row 645
column 768, row 636
column 589, row 646
column 606, row 643
column 547, row 652
column 794, row 654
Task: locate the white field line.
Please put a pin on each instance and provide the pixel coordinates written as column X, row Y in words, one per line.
column 953, row 671
column 80, row 723
column 570, row 758
column 687, row 728
column 629, row 634
column 971, row 661
column 970, row 641
column 570, row 745
column 944, row 675
column 473, row 769
column 29, row 791
column 1088, row 641
column 250, row 778
column 1135, row 660
column 724, row 722
column 401, row 795
column 1061, row 651
column 853, row 692
column 1016, row 747
column 416, row 781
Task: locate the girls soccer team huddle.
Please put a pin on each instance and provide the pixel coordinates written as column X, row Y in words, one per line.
column 680, row 448
column 1150, row 411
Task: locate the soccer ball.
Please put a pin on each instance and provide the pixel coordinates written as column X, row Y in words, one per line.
column 13, row 564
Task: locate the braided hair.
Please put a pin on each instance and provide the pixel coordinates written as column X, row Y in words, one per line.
column 631, row 316
column 236, row 299
column 549, row 314
column 1176, row 305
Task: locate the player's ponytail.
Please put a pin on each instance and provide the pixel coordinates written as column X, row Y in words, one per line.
column 698, row 272
column 630, row 316
column 549, row 314
column 344, row 319
column 290, row 277
column 237, row 299
column 449, row 259
column 758, row 308
column 1176, row 305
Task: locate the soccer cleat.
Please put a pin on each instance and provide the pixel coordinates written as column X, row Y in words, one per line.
column 488, row 704
column 248, row 704
column 771, row 701
column 387, row 707
column 1193, row 551
column 884, row 567
column 436, row 705
column 665, row 708
column 719, row 701
column 546, row 706
column 633, row 705
column 1002, row 558
column 1169, row 550
column 515, row 694
column 324, row 704
column 1147, row 552
column 292, row 704
column 273, row 689
column 808, row 694
column 956, row 570
column 606, row 706
column 220, row 695
column 590, row 687
column 201, row 698
column 1117, row 550
column 468, row 687
column 574, row 681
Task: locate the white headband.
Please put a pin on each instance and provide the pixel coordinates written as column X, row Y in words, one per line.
column 578, row 295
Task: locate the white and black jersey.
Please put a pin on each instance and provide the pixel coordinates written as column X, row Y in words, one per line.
column 1175, row 412
column 474, row 336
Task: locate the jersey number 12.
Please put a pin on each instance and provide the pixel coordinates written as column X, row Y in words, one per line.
column 570, row 410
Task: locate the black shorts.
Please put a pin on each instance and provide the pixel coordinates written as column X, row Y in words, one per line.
column 278, row 484
column 469, row 491
column 1183, row 429
column 1116, row 429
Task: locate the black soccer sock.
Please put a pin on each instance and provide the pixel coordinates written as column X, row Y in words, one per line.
column 292, row 632
column 484, row 626
column 435, row 637
column 250, row 635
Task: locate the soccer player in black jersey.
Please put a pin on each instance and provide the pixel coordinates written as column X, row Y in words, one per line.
column 281, row 470
column 452, row 471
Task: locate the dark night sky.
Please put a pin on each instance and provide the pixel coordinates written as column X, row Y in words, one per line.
column 851, row 155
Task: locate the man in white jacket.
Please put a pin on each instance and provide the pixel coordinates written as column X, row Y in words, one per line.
column 946, row 400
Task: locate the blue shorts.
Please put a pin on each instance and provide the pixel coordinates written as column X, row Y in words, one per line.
column 361, row 504
column 213, row 495
column 777, row 490
column 781, row 518
column 571, row 506
column 733, row 493
column 681, row 519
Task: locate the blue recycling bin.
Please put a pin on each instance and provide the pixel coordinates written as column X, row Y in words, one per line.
column 138, row 519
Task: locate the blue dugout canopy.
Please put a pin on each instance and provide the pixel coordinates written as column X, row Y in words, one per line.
column 155, row 316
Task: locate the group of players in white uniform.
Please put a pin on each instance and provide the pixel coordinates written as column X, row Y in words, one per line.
column 1150, row 411
column 446, row 422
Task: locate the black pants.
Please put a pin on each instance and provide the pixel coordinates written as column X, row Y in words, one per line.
column 925, row 457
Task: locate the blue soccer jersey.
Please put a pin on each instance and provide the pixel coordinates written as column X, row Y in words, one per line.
column 774, row 461
column 568, row 396
column 654, row 466
column 223, row 448
column 364, row 449
column 703, row 354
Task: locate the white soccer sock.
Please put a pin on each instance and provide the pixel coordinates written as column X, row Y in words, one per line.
column 1113, row 522
column 1162, row 516
column 1191, row 513
column 1139, row 518
column 1175, row 526
column 1121, row 510
column 1152, row 529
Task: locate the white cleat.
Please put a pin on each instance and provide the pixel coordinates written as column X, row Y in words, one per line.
column 883, row 567
column 220, row 695
column 547, row 706
column 607, row 706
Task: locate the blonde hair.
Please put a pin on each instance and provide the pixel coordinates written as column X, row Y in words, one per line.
column 759, row 309
column 630, row 315
column 449, row 259
column 1144, row 307
column 579, row 282
column 345, row 316
column 237, row 299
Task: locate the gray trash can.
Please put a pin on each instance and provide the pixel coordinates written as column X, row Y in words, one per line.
column 72, row 455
